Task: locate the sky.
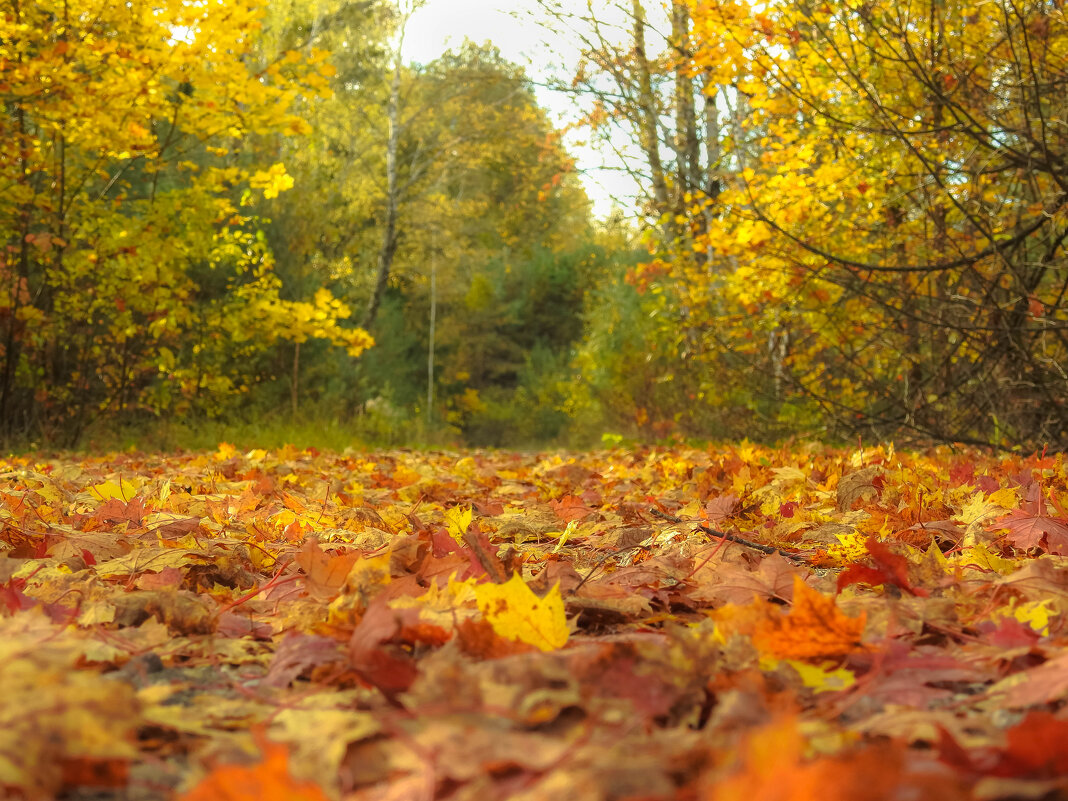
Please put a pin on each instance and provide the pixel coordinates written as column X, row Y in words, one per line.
column 442, row 24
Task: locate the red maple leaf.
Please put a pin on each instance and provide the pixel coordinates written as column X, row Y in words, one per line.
column 1031, row 527
column 570, row 508
column 888, row 568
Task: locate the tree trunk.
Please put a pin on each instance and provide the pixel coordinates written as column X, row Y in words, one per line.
column 389, row 233
column 687, row 143
column 430, row 350
column 648, row 111
column 294, row 385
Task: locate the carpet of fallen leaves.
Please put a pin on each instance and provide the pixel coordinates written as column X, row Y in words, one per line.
column 302, row 625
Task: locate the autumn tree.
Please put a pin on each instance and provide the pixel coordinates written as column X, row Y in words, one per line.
column 483, row 196
column 316, row 227
column 641, row 98
column 656, row 117
column 502, row 221
column 368, row 155
column 897, row 234
column 134, row 275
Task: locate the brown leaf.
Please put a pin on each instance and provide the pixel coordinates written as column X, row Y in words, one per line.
column 87, row 771
column 479, row 639
column 325, row 573
column 569, row 509
column 298, row 653
column 1028, row 530
column 388, row 667
column 182, row 612
column 721, row 508
column 170, row 578
column 739, row 581
column 1044, row 684
column 859, row 485
column 116, row 510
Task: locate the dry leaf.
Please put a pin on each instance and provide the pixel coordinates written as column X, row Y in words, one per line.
column 813, row 629
column 516, row 613
column 267, row 780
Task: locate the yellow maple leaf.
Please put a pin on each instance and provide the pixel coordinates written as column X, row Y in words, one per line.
column 823, row 677
column 122, row 489
column 979, row 557
column 978, row 511
column 1035, row 614
column 457, row 519
column 444, row 606
column 516, row 613
column 225, row 451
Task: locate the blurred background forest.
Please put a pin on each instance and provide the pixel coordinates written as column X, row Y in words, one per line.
column 261, row 222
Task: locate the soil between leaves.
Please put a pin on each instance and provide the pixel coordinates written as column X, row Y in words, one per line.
column 293, row 624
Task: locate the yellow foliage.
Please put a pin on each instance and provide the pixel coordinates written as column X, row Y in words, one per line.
column 272, row 181
column 104, row 92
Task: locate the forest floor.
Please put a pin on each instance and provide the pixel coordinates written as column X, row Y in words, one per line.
column 738, row 622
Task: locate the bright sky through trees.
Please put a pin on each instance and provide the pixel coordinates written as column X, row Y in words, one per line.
column 511, row 25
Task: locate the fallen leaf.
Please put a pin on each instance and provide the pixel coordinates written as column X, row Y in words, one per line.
column 1047, row 683
column 324, row 573
column 889, row 568
column 813, row 629
column 183, row 612
column 569, row 509
column 373, row 655
column 267, row 780
column 859, row 485
column 1035, row 748
column 1029, row 530
column 140, row 560
column 297, row 653
column 774, row 768
column 739, row 580
column 720, row 508
column 516, row 613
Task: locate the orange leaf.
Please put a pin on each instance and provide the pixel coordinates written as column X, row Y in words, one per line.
column 814, row 629
column 87, row 771
column 774, row 768
column 325, row 573
column 270, row 780
column 570, row 508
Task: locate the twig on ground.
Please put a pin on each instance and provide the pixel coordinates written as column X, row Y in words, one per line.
column 756, row 546
column 601, row 562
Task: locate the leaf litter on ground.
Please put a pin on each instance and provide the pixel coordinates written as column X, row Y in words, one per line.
column 734, row 622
